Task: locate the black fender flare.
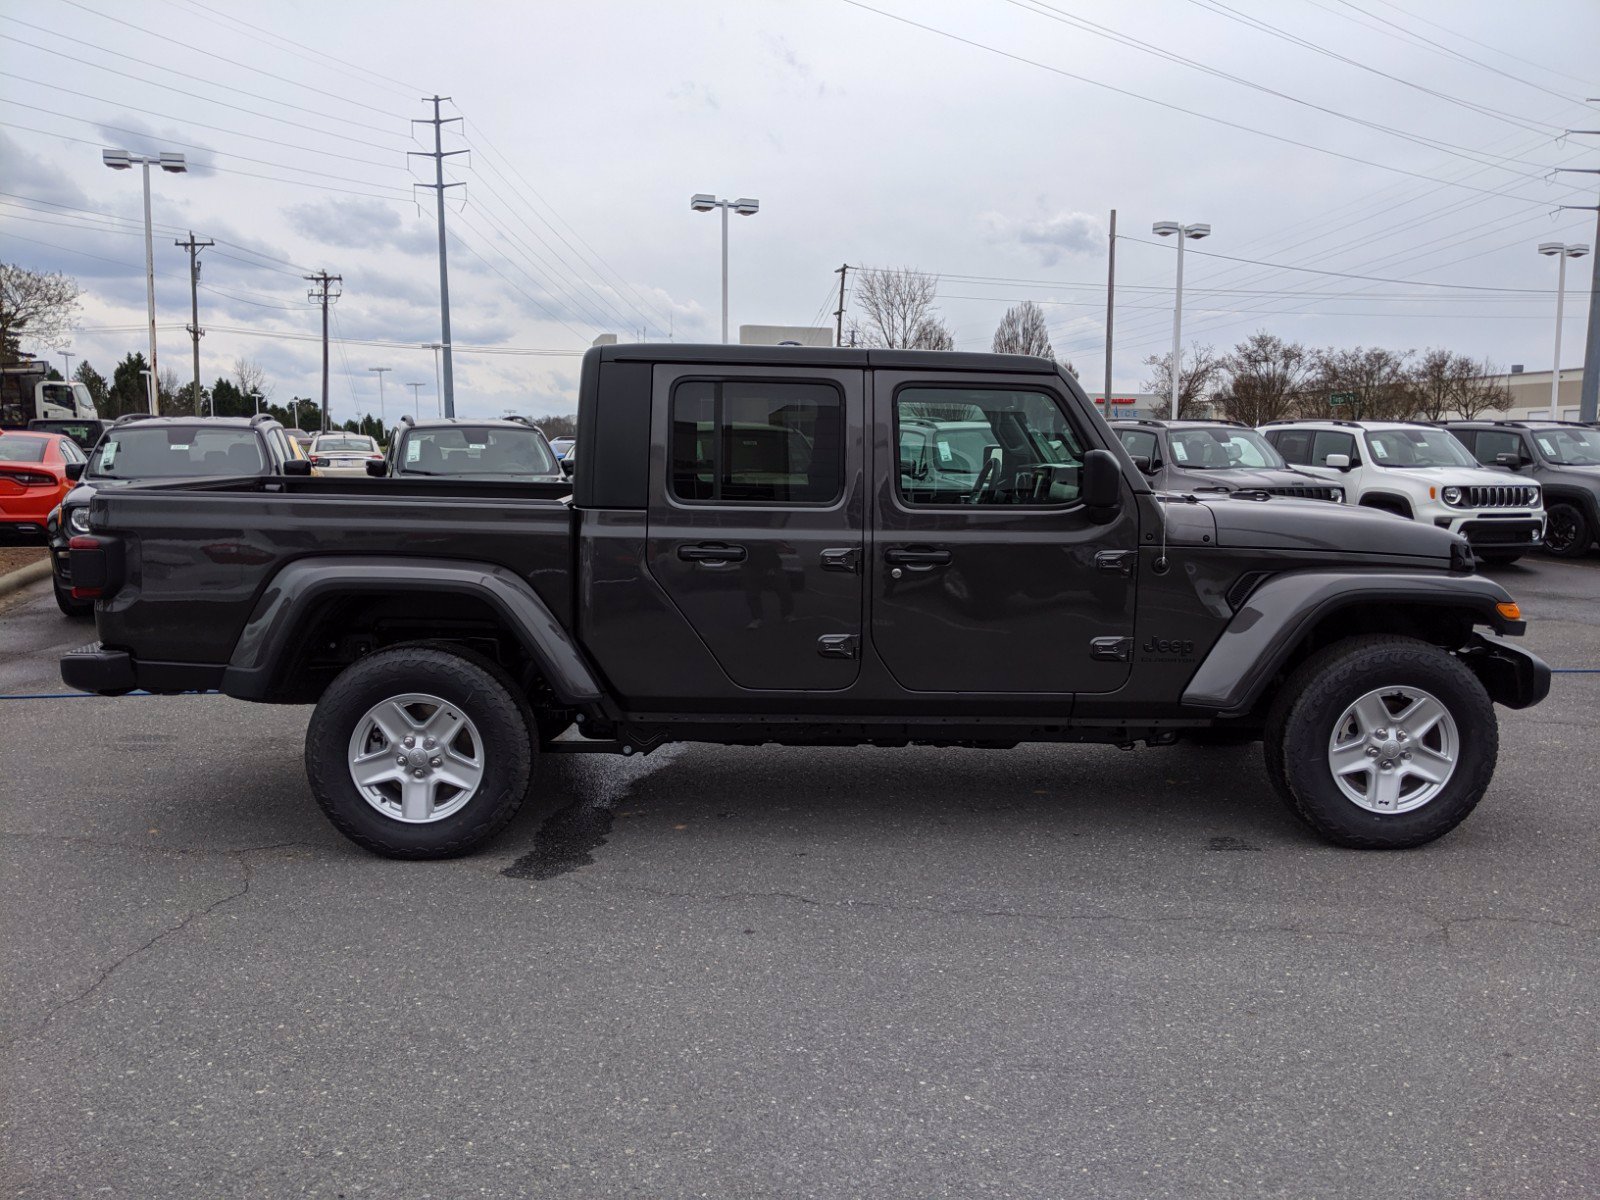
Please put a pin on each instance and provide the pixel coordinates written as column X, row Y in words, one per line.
column 1279, row 613
column 1587, row 501
column 279, row 616
column 1389, row 502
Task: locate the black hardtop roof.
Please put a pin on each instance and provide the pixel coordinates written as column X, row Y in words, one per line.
column 823, row 356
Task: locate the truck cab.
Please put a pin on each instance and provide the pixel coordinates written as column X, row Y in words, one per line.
column 28, row 394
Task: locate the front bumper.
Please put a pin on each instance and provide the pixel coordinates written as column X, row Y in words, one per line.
column 103, row 672
column 1511, row 675
column 1500, row 532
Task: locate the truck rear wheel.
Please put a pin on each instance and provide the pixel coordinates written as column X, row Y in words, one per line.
column 1382, row 742
column 420, row 752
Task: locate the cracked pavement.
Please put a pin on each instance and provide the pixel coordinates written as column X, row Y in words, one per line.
column 790, row 973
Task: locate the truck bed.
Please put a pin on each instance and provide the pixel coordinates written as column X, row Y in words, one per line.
column 200, row 553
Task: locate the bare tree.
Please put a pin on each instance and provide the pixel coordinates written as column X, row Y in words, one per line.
column 1374, row 384
column 250, row 377
column 897, row 304
column 1265, row 375
column 36, row 305
column 1198, row 374
column 1022, row 331
column 931, row 334
column 1446, row 384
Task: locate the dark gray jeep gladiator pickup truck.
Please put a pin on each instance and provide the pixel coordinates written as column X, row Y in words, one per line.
column 748, row 556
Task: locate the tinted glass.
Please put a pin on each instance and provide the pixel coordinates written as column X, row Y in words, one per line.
column 1139, row 443
column 1417, row 448
column 1326, row 441
column 175, row 452
column 20, row 448
column 740, row 442
column 1489, row 442
column 489, row 451
column 1570, row 447
column 972, row 446
column 1293, row 444
column 1221, row 449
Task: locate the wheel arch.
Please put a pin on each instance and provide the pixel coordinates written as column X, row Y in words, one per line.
column 1393, row 502
column 342, row 606
column 1289, row 618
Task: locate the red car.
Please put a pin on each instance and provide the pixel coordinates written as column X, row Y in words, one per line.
column 33, row 480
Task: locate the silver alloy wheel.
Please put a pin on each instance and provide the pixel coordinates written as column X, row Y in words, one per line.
column 1394, row 749
column 416, row 758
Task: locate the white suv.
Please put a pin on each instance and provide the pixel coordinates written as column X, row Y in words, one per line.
column 1419, row 471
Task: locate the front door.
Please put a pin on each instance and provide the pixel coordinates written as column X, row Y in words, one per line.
column 987, row 573
column 755, row 523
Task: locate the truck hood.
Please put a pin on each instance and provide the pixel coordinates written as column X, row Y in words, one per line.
column 1236, row 479
column 1277, row 523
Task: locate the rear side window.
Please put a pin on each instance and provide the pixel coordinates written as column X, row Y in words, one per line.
column 1328, row 441
column 1491, row 442
column 1293, row 444
column 757, row 442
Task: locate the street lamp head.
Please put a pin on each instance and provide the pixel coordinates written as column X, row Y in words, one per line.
column 701, row 202
column 117, row 160
column 173, row 162
column 1549, row 248
column 1197, row 232
column 1577, row 250
column 1165, row 228
column 746, row 207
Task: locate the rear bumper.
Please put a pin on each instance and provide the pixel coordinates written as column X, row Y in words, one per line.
column 1511, row 675
column 103, row 672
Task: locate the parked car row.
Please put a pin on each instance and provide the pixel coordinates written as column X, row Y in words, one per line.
column 1506, row 486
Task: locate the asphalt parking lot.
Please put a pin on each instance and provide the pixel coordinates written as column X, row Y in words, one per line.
column 1052, row 972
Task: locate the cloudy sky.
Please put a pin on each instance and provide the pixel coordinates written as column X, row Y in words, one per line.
column 1353, row 159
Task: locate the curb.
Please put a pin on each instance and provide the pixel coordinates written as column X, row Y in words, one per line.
column 15, row 581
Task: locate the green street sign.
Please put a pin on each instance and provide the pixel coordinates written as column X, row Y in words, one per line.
column 1342, row 398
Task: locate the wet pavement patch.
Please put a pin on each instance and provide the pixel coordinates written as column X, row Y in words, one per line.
column 564, row 842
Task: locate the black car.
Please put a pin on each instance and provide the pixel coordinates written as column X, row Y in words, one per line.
column 1216, row 456
column 138, row 447
column 496, row 448
column 1563, row 457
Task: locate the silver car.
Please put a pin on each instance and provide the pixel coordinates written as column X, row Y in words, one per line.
column 343, row 453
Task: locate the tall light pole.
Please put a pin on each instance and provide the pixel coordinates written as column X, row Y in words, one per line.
column 66, row 357
column 438, row 391
column 383, row 423
column 122, row 160
column 1561, row 251
column 416, row 396
column 745, row 207
column 256, row 396
column 1184, row 232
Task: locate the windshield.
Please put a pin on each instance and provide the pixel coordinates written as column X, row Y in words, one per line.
column 345, row 445
column 175, row 452
column 506, row 452
column 20, row 448
column 1221, row 449
column 1418, row 448
column 1570, row 447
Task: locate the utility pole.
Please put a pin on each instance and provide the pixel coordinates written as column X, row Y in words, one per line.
column 838, row 313
column 1111, row 306
column 1589, row 390
column 439, row 154
column 323, row 294
column 195, row 332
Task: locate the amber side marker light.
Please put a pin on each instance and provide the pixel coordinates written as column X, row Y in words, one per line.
column 1510, row 612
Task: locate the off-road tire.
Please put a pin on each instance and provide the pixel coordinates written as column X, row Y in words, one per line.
column 481, row 690
column 1498, row 560
column 1301, row 720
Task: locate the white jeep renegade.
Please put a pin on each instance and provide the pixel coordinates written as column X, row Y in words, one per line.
column 1419, row 471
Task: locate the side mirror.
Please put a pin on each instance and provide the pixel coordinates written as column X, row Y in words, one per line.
column 1143, row 462
column 75, row 471
column 1339, row 462
column 567, row 466
column 296, row 466
column 1101, row 485
column 1514, row 461
column 377, row 468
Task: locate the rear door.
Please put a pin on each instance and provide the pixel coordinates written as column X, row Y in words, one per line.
column 756, row 518
column 989, row 575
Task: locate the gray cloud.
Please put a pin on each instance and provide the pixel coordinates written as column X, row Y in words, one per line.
column 360, row 224
column 1047, row 238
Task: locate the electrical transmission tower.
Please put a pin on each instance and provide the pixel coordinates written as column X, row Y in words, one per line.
column 324, row 294
column 195, row 332
column 439, row 154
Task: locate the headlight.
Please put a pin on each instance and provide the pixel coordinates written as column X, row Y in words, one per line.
column 1538, row 498
column 78, row 520
column 1338, row 495
column 1452, row 495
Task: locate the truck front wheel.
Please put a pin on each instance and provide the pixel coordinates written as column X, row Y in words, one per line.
column 1382, row 742
column 420, row 752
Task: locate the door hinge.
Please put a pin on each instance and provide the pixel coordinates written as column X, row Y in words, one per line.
column 1115, row 562
column 838, row 645
column 846, row 559
column 1110, row 649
